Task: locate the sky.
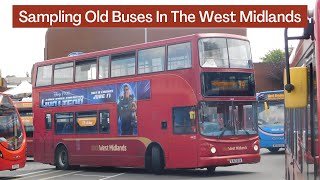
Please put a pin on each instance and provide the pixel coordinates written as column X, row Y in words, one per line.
column 22, row 47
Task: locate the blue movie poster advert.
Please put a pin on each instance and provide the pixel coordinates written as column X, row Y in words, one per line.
column 114, row 93
column 127, row 108
column 101, row 94
column 63, row 98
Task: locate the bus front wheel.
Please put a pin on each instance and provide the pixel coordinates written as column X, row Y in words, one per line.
column 62, row 159
column 157, row 160
column 211, row 170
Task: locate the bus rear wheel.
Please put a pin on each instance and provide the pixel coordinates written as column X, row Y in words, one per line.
column 273, row 149
column 62, row 159
column 157, row 160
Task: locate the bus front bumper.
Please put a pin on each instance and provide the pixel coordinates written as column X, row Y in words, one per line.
column 229, row 160
column 12, row 165
column 271, row 144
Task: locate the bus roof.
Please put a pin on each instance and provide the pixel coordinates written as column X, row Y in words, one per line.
column 271, row 92
column 270, row 95
column 139, row 46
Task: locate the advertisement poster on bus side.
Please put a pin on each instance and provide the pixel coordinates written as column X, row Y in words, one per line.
column 127, row 109
column 93, row 95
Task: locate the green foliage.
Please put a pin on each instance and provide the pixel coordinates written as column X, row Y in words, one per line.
column 274, row 56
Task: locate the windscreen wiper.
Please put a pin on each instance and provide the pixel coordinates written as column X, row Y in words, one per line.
column 277, row 122
column 247, row 133
column 221, row 134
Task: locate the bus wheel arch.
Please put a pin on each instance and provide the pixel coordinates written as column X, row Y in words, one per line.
column 155, row 158
column 61, row 157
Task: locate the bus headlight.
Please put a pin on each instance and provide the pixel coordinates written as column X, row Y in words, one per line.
column 1, row 156
column 256, row 147
column 213, row 150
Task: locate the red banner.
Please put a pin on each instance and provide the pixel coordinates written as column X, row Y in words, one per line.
column 159, row 16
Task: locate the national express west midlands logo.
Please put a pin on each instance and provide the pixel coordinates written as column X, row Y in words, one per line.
column 110, row 147
column 235, row 148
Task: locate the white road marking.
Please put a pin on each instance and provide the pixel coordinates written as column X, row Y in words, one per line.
column 61, row 175
column 40, row 174
column 21, row 175
column 89, row 175
column 112, row 176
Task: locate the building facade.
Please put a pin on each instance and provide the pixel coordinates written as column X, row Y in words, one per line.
column 62, row 41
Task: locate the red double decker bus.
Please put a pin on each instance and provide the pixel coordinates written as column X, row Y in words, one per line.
column 12, row 136
column 185, row 102
column 25, row 111
column 301, row 102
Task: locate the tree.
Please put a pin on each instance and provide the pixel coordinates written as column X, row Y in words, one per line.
column 276, row 59
column 276, row 56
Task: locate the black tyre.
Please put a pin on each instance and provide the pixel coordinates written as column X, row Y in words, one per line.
column 211, row 170
column 157, row 160
column 274, row 150
column 62, row 158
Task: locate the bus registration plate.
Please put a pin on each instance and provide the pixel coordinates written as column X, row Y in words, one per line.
column 278, row 145
column 235, row 161
column 15, row 166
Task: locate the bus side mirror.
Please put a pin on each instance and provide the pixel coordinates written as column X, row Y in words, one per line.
column 297, row 98
column 308, row 32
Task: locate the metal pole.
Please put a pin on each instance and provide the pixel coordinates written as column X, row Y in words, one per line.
column 145, row 35
column 286, row 49
column 289, row 87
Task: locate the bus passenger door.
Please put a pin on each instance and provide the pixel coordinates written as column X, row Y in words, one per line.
column 183, row 144
column 48, row 139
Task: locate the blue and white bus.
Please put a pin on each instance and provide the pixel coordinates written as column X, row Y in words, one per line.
column 271, row 119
